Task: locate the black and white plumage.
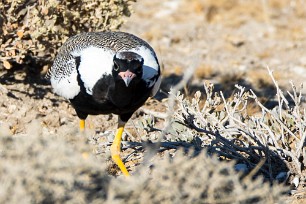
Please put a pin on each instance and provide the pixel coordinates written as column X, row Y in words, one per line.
column 96, row 51
column 83, row 70
column 106, row 72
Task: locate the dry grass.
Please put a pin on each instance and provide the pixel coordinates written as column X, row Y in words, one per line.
column 276, row 136
column 48, row 169
column 205, row 71
column 57, row 169
column 259, row 78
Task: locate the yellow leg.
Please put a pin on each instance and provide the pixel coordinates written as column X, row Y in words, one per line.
column 82, row 125
column 115, row 149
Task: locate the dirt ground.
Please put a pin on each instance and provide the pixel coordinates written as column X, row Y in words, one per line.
column 222, row 41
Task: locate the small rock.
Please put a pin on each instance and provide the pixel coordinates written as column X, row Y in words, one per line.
column 7, row 64
column 109, row 135
column 3, row 89
column 11, row 108
column 296, row 181
column 63, row 121
column 236, row 41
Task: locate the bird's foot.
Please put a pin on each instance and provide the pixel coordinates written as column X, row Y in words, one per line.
column 115, row 152
column 82, row 125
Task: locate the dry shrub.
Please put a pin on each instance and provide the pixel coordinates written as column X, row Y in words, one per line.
column 49, row 169
column 201, row 179
column 274, row 138
column 32, row 31
column 40, row 169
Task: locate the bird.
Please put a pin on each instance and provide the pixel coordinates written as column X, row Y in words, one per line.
column 107, row 72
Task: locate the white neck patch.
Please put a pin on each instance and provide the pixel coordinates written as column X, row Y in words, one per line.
column 95, row 62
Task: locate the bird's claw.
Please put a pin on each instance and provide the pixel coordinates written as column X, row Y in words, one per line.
column 115, row 153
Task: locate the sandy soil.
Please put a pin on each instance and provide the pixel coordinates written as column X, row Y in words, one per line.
column 225, row 38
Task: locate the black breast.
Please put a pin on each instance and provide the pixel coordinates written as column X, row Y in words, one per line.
column 109, row 97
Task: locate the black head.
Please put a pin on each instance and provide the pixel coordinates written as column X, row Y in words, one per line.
column 127, row 67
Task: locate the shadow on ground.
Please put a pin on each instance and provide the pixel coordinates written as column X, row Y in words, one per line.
column 28, row 76
column 269, row 168
column 226, row 85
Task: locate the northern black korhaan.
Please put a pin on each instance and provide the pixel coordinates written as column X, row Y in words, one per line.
column 103, row 73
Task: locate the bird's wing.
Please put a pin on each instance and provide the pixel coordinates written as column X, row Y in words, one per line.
column 80, row 69
column 63, row 76
column 95, row 63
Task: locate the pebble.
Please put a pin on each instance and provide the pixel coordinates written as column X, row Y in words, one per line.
column 3, row 89
column 12, row 108
column 296, row 181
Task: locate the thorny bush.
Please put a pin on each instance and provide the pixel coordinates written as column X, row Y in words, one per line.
column 32, row 31
column 272, row 142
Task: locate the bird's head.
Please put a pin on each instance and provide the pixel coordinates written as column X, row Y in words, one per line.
column 127, row 67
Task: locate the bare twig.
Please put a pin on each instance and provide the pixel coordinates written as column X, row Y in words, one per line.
column 155, row 114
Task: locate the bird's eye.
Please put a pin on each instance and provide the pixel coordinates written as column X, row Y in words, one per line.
column 139, row 69
column 116, row 67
